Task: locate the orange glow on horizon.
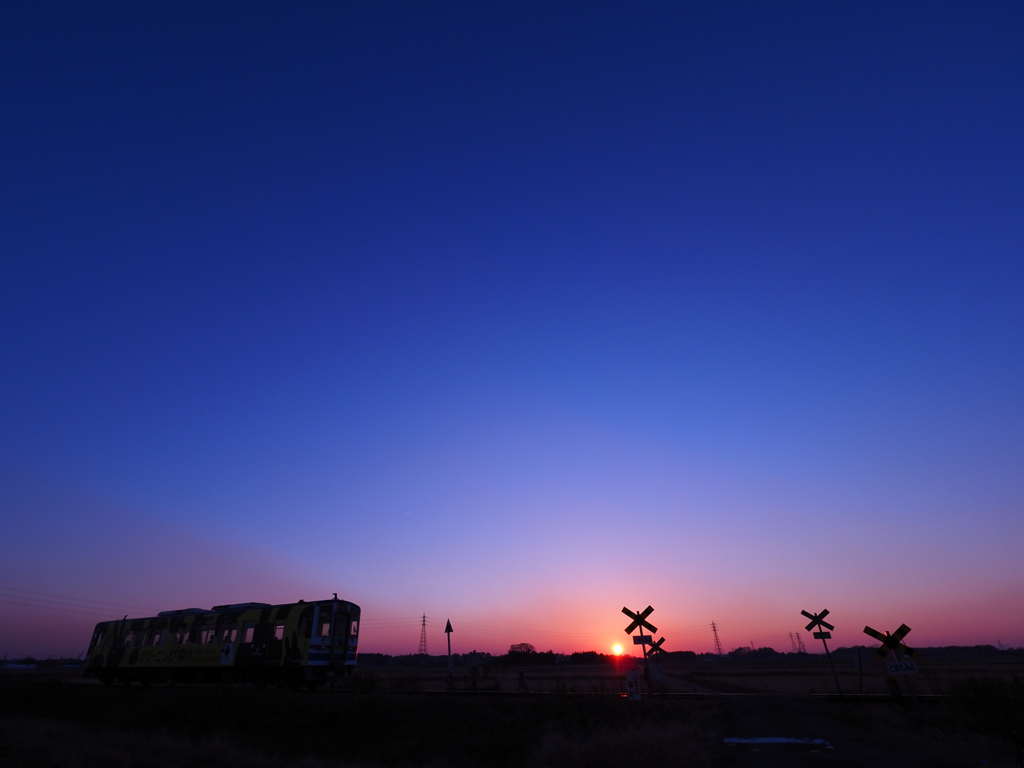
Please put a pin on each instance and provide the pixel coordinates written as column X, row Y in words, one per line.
column 617, row 649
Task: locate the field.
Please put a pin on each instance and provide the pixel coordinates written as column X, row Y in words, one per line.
column 958, row 713
column 785, row 675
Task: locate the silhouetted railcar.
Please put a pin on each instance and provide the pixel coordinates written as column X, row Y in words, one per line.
column 303, row 643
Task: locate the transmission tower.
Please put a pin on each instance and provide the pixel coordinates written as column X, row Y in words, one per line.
column 423, row 635
column 800, row 643
column 792, row 641
column 718, row 645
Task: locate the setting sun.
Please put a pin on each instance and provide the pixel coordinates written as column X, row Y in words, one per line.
column 617, row 649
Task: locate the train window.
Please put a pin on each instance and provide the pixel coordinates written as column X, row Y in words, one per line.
column 228, row 634
column 158, row 637
column 129, row 638
column 207, row 635
column 248, row 630
column 279, row 630
column 324, row 626
column 97, row 638
column 181, row 636
column 355, row 628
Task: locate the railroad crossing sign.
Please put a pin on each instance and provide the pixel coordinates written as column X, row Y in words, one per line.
column 818, row 620
column 640, row 620
column 891, row 643
column 901, row 668
column 824, row 633
column 646, row 642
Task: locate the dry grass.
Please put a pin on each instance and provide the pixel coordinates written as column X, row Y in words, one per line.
column 57, row 724
column 46, row 743
column 50, row 720
column 946, row 733
column 676, row 743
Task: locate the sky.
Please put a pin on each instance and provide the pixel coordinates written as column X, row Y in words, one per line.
column 514, row 314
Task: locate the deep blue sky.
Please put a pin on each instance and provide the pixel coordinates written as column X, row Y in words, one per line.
column 514, row 313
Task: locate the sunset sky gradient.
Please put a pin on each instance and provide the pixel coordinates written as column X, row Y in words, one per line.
column 514, row 314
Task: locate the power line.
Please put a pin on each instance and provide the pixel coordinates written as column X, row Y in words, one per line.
column 93, row 613
column 45, row 600
column 394, row 623
column 689, row 630
column 65, row 597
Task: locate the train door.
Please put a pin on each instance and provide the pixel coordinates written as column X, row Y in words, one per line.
column 320, row 637
column 328, row 632
column 275, row 643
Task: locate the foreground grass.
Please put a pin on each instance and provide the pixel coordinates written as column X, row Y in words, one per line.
column 41, row 743
column 62, row 722
column 52, row 723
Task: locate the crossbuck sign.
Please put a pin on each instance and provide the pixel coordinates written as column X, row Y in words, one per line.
column 650, row 647
column 640, row 620
column 818, row 620
column 824, row 633
column 891, row 643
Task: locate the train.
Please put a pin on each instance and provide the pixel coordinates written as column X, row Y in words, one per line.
column 305, row 643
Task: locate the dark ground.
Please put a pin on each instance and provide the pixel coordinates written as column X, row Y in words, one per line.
column 61, row 721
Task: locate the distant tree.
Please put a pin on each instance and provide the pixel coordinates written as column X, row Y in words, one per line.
column 587, row 657
column 521, row 648
column 682, row 655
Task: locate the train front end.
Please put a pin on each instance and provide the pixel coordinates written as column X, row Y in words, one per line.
column 333, row 639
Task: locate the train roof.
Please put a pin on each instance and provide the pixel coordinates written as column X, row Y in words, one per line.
column 182, row 612
column 231, row 607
